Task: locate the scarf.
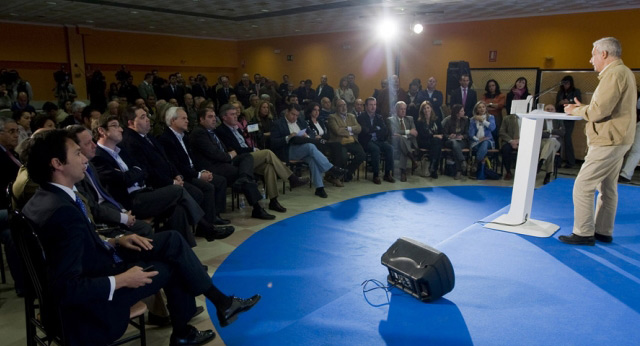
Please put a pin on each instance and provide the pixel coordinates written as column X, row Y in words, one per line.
column 517, row 93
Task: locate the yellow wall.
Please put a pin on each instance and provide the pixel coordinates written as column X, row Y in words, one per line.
column 520, row 42
column 37, row 51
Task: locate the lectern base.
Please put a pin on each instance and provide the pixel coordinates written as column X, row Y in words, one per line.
column 534, row 228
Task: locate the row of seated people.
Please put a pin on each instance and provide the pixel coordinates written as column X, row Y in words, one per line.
column 94, row 280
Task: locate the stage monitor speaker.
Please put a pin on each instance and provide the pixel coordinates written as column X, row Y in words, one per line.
column 418, row 269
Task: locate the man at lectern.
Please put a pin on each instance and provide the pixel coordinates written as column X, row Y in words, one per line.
column 610, row 132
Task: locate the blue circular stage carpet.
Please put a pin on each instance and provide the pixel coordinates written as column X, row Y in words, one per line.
column 510, row 289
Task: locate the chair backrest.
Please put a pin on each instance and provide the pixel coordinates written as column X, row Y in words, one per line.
column 33, row 259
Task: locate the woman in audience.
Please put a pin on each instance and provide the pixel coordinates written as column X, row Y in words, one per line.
column 481, row 125
column 519, row 91
column 23, row 118
column 345, row 93
column 456, row 130
column 430, row 135
column 318, row 129
column 264, row 118
column 567, row 94
column 242, row 122
column 495, row 101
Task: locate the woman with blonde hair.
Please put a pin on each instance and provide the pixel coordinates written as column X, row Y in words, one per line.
column 345, row 93
column 481, row 125
column 264, row 118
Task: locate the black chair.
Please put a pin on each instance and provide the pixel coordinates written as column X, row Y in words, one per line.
column 42, row 315
column 37, row 295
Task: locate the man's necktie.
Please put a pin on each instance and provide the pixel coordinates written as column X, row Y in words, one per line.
column 106, row 244
column 402, row 127
column 102, row 193
column 464, row 96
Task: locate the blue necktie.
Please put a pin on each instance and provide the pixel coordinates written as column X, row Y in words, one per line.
column 102, row 193
column 106, row 244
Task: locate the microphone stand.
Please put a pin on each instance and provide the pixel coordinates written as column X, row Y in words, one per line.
column 544, row 92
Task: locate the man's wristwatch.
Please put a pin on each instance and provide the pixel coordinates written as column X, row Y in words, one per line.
column 118, row 238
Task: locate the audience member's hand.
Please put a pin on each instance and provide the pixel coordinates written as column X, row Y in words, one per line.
column 438, row 136
column 135, row 242
column 131, row 218
column 514, row 143
column 134, row 278
column 178, row 181
column 233, row 154
column 206, row 176
column 413, row 132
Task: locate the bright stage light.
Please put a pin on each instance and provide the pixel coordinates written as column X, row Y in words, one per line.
column 387, row 29
column 417, row 28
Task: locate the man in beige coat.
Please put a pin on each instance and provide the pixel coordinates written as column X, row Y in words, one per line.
column 344, row 128
column 610, row 132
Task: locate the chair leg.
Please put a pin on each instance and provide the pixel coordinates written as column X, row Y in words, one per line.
column 3, row 275
column 143, row 331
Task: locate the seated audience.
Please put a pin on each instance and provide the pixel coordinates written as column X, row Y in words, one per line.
column 510, row 141
column 265, row 162
column 290, row 141
column 344, row 129
column 95, row 281
column 125, row 179
column 211, row 154
column 430, row 136
column 456, row 131
column 264, row 118
column 212, row 188
column 403, row 137
column 374, row 138
column 552, row 134
column 481, row 126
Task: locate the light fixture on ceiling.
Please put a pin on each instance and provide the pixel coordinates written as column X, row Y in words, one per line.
column 89, row 21
column 417, row 28
column 51, row 3
column 134, row 12
column 387, row 29
column 201, row 20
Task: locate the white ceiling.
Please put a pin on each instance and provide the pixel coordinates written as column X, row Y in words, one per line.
column 251, row 19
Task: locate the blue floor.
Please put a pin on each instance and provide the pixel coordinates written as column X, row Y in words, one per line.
column 510, row 289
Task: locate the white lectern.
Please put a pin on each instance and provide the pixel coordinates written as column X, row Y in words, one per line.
column 518, row 220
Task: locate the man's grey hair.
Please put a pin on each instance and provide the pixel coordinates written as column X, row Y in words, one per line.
column 400, row 103
column 610, row 45
column 171, row 114
column 265, row 97
column 4, row 121
column 77, row 106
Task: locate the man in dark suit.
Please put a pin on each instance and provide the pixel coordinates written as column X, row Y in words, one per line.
column 324, row 89
column 464, row 96
column 373, row 138
column 225, row 91
column 209, row 153
column 433, row 96
column 10, row 166
column 104, row 208
column 161, row 172
column 124, row 179
column 265, row 162
column 306, row 94
column 174, row 91
column 290, row 141
column 212, row 187
column 95, row 281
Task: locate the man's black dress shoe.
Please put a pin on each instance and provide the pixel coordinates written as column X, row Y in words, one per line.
column 294, row 181
column 321, row 192
column 575, row 239
column 348, row 177
column 622, row 179
column 157, row 320
column 238, row 305
column 193, row 337
column 260, row 213
column 337, row 172
column 211, row 233
column 603, row 238
column 275, row 205
column 221, row 221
